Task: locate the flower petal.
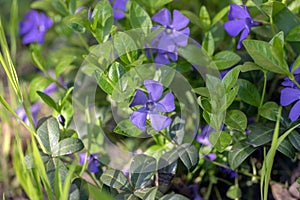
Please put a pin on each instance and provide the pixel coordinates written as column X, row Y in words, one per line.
column 238, row 12
column 243, row 36
column 233, row 28
column 139, row 98
column 166, row 104
column 93, row 165
column 138, row 118
column 163, row 17
column 159, row 122
column 162, row 58
column 154, row 88
column 289, row 95
column 179, row 20
column 295, row 112
column 181, row 38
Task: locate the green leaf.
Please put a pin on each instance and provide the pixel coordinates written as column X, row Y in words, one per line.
column 67, row 146
column 204, row 19
column 60, row 7
column 108, row 80
column 239, row 153
column 209, row 43
column 248, row 92
column 173, row 197
column 234, row 192
column 126, row 47
column 125, row 127
column 265, row 55
column 37, row 58
column 48, row 100
column 159, row 4
column 37, row 84
column 147, row 193
column 230, row 79
column 269, row 110
column 236, row 119
column 188, row 154
column 78, row 21
column 217, row 18
column 142, row 168
column 194, row 19
column 139, row 18
column 48, row 133
column 115, row 179
column 260, row 134
column 294, row 138
column 125, row 196
column 296, row 64
column 231, row 95
column 220, row 140
column 176, row 130
column 226, row 59
column 287, row 149
column 293, row 35
column 249, row 66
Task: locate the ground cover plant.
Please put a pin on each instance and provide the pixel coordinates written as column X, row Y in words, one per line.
column 144, row 99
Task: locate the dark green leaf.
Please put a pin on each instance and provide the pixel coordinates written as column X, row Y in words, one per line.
column 176, row 130
column 48, row 100
column 293, row 35
column 260, row 134
column 269, row 110
column 209, row 43
column 238, row 154
column 194, row 19
column 220, row 140
column 139, row 18
column 125, row 196
column 294, row 138
column 231, row 95
column 189, row 155
column 236, row 119
column 287, row 149
column 48, row 133
column 67, row 146
column 248, row 92
column 142, row 168
column 226, row 59
column 173, row 197
column 125, row 127
column 115, row 179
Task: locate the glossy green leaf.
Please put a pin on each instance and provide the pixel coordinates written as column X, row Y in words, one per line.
column 230, row 79
column 67, row 146
column 293, row 35
column 296, row 64
column 294, row 138
column 226, row 59
column 37, row 84
column 231, row 95
column 125, row 127
column 48, row 100
column 147, row 193
column 287, row 149
column 236, row 119
column 125, row 196
column 126, row 47
column 142, row 168
column 173, row 197
column 139, row 18
column 204, row 19
column 260, row 134
column 249, row 66
column 48, row 133
column 269, row 110
column 115, row 179
column 189, row 155
column 265, row 56
column 248, row 92
column 78, row 21
column 239, row 153
column 176, row 130
column 220, row 140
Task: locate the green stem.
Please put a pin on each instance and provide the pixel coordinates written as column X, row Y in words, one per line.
column 263, row 94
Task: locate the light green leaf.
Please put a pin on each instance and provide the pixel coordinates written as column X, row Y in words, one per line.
column 234, row 192
column 139, row 18
column 209, row 43
column 226, row 59
column 48, row 133
column 238, row 154
column 230, row 78
column 67, row 146
column 269, row 110
column 236, row 119
column 126, row 47
column 220, row 140
column 204, row 19
column 147, row 193
column 173, row 197
column 125, row 127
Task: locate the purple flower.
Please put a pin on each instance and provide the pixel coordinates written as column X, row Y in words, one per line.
column 291, row 94
column 93, row 162
column 34, row 110
column 119, row 7
column 211, row 156
column 203, row 138
column 239, row 21
column 152, row 106
column 232, row 174
column 34, row 27
column 175, row 34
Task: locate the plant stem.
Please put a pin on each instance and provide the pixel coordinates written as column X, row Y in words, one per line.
column 263, row 94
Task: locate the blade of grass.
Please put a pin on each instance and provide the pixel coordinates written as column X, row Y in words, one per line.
column 13, row 29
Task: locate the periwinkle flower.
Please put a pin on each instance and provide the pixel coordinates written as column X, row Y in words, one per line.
column 291, row 94
column 232, row 174
column 203, row 137
column 152, row 106
column 93, row 162
column 119, row 7
column 240, row 21
column 34, row 27
column 34, row 110
column 175, row 34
